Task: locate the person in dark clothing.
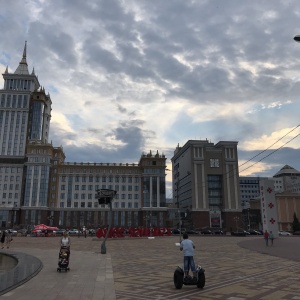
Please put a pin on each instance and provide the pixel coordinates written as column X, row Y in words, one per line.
column 2, row 239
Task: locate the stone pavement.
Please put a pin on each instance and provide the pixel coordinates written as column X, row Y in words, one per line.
column 236, row 268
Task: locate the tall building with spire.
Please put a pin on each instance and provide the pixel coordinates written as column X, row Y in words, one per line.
column 38, row 186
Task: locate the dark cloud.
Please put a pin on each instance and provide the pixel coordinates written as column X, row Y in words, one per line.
column 119, row 60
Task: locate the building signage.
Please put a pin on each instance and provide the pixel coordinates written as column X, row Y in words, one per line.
column 268, row 207
column 215, row 219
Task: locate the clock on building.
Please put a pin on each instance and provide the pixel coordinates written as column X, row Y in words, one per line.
column 214, row 163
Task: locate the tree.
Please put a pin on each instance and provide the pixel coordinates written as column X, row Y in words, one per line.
column 296, row 224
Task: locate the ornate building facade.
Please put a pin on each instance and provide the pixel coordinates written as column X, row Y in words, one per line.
column 37, row 185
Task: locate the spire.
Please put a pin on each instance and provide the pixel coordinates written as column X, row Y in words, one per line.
column 6, row 70
column 23, row 67
column 32, row 73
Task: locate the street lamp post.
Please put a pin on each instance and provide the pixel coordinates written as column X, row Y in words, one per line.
column 105, row 196
column 248, row 218
column 236, row 219
column 297, row 38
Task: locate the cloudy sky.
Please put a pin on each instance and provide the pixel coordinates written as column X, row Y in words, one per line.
column 126, row 77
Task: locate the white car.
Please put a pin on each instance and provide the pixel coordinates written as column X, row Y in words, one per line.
column 284, row 233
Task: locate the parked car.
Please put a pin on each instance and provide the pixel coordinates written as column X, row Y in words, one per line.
column 191, row 231
column 219, row 232
column 206, row 231
column 254, row 232
column 92, row 231
column 178, row 231
column 285, row 233
column 73, row 232
column 60, row 231
column 239, row 233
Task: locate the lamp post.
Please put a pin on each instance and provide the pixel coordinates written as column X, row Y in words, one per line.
column 105, row 196
column 236, row 219
column 297, row 38
column 248, row 218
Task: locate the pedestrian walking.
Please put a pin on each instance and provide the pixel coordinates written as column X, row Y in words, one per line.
column 2, row 238
column 8, row 239
column 266, row 237
column 271, row 237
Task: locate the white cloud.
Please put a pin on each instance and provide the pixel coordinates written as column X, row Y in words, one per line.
column 128, row 76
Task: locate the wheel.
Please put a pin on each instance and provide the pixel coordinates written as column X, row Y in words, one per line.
column 201, row 280
column 178, row 279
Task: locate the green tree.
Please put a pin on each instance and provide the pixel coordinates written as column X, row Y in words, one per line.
column 296, row 224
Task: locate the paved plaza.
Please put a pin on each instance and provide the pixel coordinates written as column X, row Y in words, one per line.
column 236, row 268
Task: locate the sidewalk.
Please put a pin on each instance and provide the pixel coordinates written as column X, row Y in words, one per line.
column 239, row 268
column 90, row 275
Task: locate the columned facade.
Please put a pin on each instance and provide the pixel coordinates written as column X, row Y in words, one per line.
column 38, row 186
column 206, row 183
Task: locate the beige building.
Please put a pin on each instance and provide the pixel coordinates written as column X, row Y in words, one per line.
column 38, row 186
column 206, row 183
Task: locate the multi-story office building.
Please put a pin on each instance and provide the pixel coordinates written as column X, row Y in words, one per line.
column 249, row 189
column 38, row 186
column 206, row 183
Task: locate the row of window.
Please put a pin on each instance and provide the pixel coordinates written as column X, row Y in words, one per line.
column 89, row 204
column 91, row 187
column 98, row 170
column 14, row 101
column 123, row 179
column 11, row 178
column 93, row 196
column 9, row 186
column 10, row 195
column 10, row 170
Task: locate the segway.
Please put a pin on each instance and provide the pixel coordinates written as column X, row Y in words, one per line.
column 180, row 280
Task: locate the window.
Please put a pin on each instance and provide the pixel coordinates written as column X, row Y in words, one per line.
column 76, row 187
column 122, row 204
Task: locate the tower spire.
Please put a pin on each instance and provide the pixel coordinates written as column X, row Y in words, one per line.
column 24, row 54
column 23, row 67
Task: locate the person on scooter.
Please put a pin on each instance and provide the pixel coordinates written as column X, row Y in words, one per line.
column 187, row 246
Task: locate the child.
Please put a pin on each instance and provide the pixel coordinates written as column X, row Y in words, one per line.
column 188, row 251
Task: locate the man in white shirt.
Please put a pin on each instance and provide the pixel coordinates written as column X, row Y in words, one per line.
column 188, row 251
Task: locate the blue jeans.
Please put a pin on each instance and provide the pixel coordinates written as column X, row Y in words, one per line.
column 189, row 263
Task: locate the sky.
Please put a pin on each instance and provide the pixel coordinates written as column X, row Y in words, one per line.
column 126, row 77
